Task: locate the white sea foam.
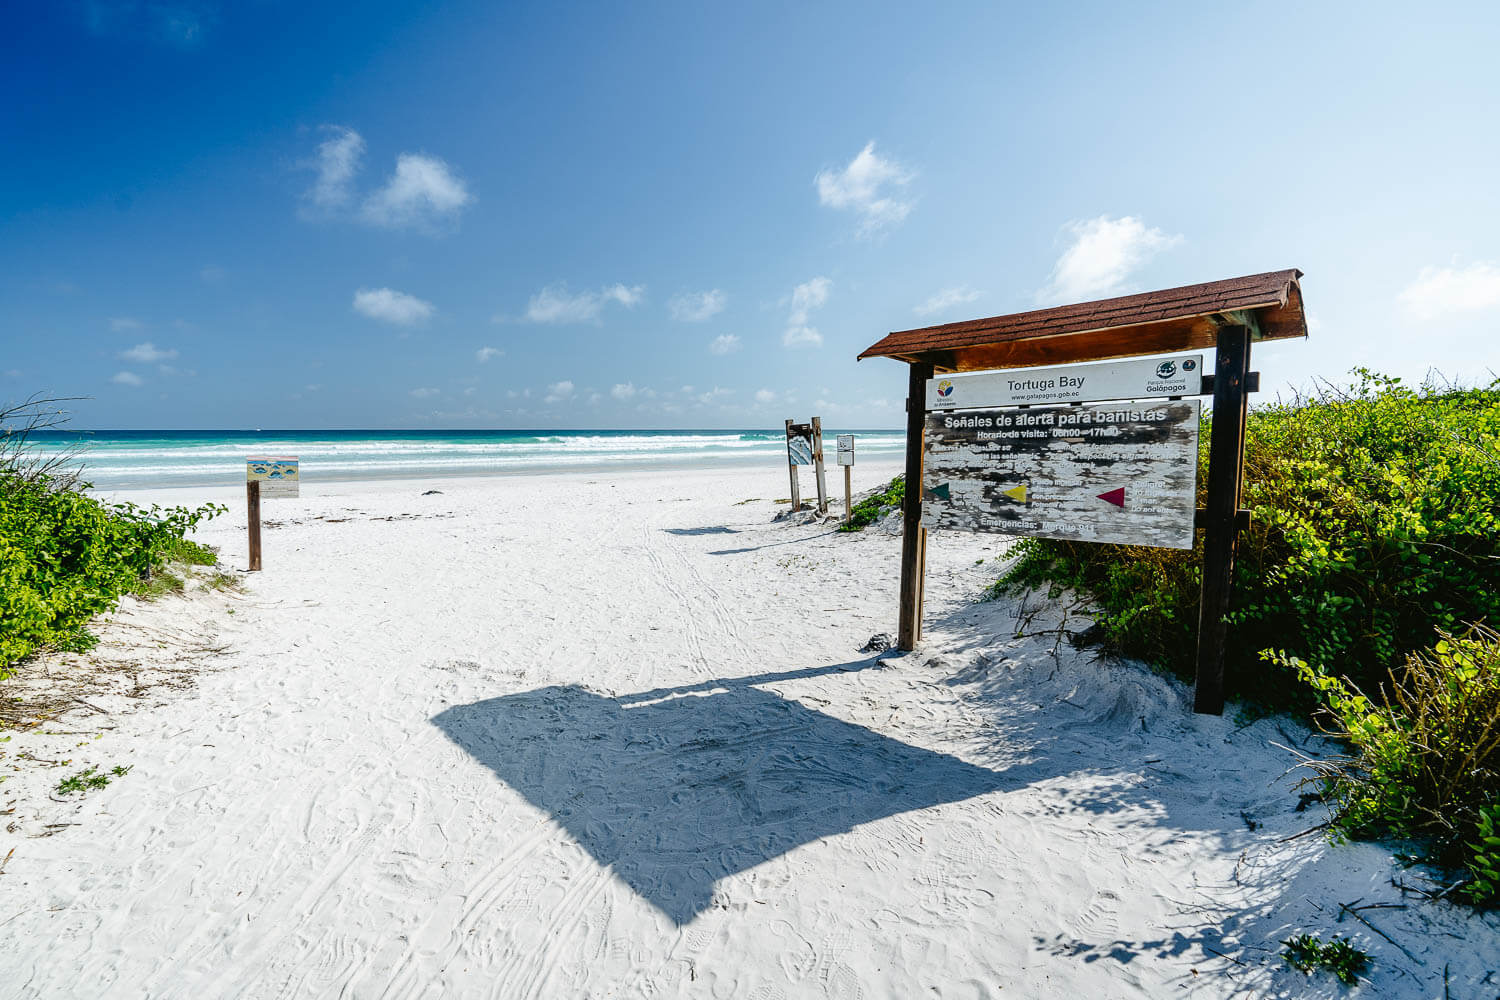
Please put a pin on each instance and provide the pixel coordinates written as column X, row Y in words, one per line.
column 139, row 460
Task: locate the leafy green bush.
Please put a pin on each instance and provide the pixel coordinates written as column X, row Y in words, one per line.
column 65, row 557
column 1484, row 858
column 1376, row 518
column 1425, row 754
column 1308, row 952
column 871, row 508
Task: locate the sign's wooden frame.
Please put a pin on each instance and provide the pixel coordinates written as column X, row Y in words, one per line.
column 815, row 436
column 1226, row 315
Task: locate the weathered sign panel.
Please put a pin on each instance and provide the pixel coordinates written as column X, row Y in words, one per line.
column 1179, row 376
column 846, row 449
column 1122, row 473
column 278, row 477
column 799, row 444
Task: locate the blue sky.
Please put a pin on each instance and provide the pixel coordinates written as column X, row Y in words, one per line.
column 696, row 215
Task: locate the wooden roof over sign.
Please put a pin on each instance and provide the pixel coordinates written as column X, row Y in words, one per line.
column 1174, row 319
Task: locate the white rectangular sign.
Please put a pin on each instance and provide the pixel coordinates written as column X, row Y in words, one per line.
column 846, row 449
column 278, row 477
column 1179, row 376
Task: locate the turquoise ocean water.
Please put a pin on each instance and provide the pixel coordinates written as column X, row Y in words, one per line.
column 162, row 459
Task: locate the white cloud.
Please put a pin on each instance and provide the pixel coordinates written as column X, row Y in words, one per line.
column 797, row 336
column 1103, row 255
column 695, row 307
column 391, row 306
column 625, row 390
column 559, row 391
column 1439, row 291
column 595, row 399
column 627, row 297
column 555, row 304
column 124, row 324
column 864, row 186
column 422, row 192
column 806, row 297
column 425, row 392
column 765, row 396
column 337, row 163
column 724, row 343
column 148, row 353
column 126, row 378
column 717, row 392
column 484, row 354
column 947, row 299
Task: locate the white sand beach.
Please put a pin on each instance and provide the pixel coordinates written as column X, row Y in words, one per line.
column 612, row 735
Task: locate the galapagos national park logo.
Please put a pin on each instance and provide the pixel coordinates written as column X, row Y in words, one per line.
column 1166, row 369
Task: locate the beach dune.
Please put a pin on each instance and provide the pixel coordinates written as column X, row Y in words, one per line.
column 594, row 735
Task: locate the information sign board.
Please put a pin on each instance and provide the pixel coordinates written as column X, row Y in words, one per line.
column 1179, row 376
column 278, row 476
column 1120, row 473
column 846, row 449
column 799, row 444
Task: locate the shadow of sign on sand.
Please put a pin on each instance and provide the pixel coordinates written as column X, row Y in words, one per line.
column 673, row 791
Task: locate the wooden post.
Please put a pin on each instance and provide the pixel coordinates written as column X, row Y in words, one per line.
column 792, row 469
column 252, row 511
column 913, row 537
column 848, row 495
column 817, row 428
column 1226, row 461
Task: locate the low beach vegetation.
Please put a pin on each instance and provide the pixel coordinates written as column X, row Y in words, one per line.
column 1424, row 758
column 64, row 555
column 1308, row 952
column 877, row 505
column 1361, row 586
column 89, row 779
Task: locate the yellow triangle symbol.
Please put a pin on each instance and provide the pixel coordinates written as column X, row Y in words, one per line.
column 1016, row 493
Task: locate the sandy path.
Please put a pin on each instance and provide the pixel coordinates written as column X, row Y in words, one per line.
column 585, row 736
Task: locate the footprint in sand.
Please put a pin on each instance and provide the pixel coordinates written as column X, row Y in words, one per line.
column 1099, row 920
column 797, row 955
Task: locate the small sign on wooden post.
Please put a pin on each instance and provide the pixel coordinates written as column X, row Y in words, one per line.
column 278, row 476
column 268, row 479
column 799, row 451
column 845, row 444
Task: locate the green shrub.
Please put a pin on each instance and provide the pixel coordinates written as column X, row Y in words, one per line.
column 65, row 557
column 1376, row 518
column 873, row 507
column 1308, row 952
column 1484, row 858
column 1425, row 754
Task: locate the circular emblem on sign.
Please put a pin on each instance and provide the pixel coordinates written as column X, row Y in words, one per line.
column 1166, row 369
column 945, row 389
column 1189, row 365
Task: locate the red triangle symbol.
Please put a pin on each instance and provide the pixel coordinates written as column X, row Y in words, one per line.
column 1115, row 496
